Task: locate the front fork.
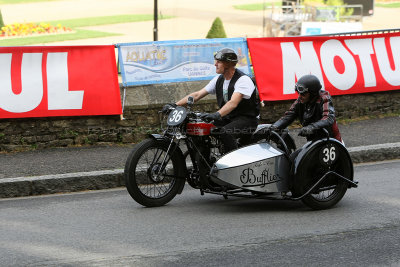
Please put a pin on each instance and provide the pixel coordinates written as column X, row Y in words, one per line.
column 165, row 160
column 173, row 147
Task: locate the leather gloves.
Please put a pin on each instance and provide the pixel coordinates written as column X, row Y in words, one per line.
column 168, row 107
column 307, row 130
column 211, row 116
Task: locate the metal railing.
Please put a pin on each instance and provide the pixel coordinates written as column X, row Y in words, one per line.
column 359, row 33
column 287, row 20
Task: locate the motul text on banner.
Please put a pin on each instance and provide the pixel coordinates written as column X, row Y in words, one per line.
column 345, row 64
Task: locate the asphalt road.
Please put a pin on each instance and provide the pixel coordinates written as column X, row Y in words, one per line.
column 107, row 228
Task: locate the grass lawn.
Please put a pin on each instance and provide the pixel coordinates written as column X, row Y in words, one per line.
column 74, row 24
column 105, row 20
column 388, row 5
column 256, row 6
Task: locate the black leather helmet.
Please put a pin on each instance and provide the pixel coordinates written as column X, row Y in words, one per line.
column 308, row 83
column 226, row 54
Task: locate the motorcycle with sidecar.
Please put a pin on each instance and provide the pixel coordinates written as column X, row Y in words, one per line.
column 157, row 169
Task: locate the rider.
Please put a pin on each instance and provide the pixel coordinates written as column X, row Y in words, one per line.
column 237, row 99
column 314, row 109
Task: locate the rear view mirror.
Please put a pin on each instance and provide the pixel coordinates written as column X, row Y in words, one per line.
column 190, row 100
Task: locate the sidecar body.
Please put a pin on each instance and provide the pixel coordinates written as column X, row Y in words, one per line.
column 259, row 167
column 319, row 174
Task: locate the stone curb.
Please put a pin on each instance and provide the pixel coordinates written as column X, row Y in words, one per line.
column 372, row 153
column 95, row 180
column 60, row 183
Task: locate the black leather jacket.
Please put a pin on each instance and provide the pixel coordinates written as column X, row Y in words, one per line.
column 319, row 113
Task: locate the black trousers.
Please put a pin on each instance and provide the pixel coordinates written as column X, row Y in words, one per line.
column 231, row 129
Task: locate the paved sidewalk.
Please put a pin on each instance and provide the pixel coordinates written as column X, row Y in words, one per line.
column 89, row 168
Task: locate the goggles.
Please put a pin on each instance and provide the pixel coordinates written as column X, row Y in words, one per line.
column 225, row 56
column 219, row 56
column 300, row 89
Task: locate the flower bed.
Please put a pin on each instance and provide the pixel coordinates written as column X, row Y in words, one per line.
column 24, row 29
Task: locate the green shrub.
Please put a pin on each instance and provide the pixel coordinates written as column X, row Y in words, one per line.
column 217, row 29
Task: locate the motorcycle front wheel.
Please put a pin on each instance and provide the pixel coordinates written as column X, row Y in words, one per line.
column 153, row 177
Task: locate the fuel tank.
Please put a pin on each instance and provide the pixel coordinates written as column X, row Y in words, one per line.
column 258, row 167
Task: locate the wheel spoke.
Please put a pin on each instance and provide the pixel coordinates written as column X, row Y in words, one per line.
column 155, row 180
column 155, row 157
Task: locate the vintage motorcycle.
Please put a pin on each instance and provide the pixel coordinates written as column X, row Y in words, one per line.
column 156, row 170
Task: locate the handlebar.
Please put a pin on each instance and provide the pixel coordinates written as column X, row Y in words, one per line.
column 169, row 110
column 197, row 116
column 281, row 140
column 327, row 133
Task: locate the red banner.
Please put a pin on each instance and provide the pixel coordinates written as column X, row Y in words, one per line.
column 58, row 81
column 345, row 64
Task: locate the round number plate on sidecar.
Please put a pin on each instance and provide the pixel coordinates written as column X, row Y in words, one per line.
column 328, row 154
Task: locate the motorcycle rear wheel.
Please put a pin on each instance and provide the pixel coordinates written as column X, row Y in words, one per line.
column 147, row 181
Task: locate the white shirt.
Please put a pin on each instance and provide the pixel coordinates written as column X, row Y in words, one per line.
column 243, row 85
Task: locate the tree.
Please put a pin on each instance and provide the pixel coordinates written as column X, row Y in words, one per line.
column 217, row 29
column 1, row 20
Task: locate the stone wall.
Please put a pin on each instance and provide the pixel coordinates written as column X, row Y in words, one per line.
column 141, row 106
column 346, row 106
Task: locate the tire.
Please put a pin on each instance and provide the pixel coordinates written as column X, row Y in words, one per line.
column 331, row 190
column 141, row 179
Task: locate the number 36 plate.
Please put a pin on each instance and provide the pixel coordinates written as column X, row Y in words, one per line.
column 328, row 154
column 177, row 116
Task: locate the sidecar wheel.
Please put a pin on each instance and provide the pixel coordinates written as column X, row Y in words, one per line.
column 332, row 190
column 143, row 181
